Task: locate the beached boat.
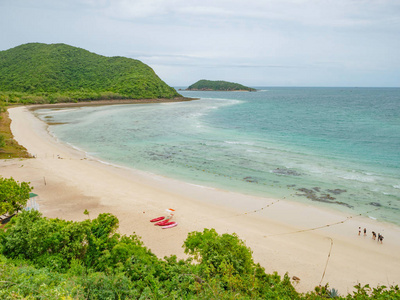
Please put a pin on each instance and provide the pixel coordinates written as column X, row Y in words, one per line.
column 161, row 223
column 170, row 225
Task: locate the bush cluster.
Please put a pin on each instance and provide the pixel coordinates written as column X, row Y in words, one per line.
column 45, row 258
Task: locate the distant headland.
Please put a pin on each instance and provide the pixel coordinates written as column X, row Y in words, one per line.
column 55, row 73
column 219, row 85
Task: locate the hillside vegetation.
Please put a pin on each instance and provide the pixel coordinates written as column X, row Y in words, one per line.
column 43, row 258
column 219, row 85
column 49, row 73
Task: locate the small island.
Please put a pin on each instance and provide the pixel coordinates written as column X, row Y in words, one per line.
column 219, row 85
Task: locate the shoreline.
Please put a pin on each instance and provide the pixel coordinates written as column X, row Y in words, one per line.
column 284, row 236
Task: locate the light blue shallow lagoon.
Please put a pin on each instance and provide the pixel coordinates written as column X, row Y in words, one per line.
column 334, row 147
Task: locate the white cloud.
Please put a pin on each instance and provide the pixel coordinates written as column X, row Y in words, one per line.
column 307, row 12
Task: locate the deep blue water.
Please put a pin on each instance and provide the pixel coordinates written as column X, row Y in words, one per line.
column 337, row 147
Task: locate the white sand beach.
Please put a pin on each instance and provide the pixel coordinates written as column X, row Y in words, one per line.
column 277, row 231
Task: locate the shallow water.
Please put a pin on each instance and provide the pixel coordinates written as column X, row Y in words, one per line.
column 336, row 147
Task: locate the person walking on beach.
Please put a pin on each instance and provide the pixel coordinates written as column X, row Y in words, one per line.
column 380, row 238
column 373, row 235
column 359, row 230
column 365, row 231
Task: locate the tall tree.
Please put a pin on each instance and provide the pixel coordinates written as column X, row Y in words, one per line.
column 13, row 195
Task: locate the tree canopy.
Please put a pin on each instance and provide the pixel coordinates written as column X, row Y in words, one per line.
column 41, row 73
column 13, row 195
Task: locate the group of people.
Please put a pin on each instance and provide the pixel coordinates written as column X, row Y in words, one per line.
column 380, row 236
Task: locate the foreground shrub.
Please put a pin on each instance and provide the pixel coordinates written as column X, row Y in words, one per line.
column 19, row 280
column 57, row 259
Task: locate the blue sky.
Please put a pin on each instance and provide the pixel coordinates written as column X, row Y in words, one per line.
column 253, row 42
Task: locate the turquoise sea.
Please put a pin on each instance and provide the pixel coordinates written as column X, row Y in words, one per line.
column 332, row 147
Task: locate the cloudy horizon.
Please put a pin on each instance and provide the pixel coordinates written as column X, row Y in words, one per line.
column 256, row 43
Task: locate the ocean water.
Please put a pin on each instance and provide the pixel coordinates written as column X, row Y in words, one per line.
column 332, row 147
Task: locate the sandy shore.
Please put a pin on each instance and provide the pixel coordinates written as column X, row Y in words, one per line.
column 277, row 231
column 110, row 102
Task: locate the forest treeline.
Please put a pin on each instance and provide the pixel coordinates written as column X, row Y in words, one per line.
column 51, row 73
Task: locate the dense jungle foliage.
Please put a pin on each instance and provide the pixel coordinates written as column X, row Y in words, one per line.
column 50, row 73
column 45, row 258
column 219, row 85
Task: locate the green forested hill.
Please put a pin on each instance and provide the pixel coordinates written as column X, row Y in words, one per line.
column 39, row 72
column 219, row 85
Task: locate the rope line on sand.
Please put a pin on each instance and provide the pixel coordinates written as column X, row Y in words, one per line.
column 327, row 261
column 241, row 214
column 323, row 226
column 254, row 211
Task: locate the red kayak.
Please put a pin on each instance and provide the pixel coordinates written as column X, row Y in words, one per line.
column 157, row 219
column 168, row 223
column 161, row 223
